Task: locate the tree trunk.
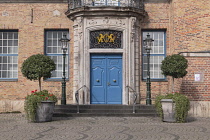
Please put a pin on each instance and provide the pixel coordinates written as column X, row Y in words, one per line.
column 173, row 85
column 40, row 89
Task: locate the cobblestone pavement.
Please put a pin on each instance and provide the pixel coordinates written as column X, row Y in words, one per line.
column 16, row 127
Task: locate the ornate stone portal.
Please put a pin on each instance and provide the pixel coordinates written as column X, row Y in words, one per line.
column 119, row 20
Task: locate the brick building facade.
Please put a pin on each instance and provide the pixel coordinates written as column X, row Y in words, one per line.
column 176, row 26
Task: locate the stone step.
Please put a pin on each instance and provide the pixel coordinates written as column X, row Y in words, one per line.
column 104, row 114
column 104, row 107
column 104, row 110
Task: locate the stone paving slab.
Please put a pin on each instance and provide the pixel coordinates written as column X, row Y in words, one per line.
column 16, row 127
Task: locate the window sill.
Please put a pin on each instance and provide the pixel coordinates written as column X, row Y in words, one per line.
column 55, row 80
column 8, row 80
column 155, row 80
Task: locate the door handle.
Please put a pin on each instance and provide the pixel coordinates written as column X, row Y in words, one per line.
column 97, row 80
column 114, row 80
column 108, row 84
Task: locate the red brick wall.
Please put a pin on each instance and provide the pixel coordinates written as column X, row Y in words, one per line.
column 197, row 91
column 188, row 30
column 31, row 41
column 158, row 17
column 191, row 23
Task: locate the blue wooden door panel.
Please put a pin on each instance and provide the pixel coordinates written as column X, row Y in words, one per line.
column 114, row 75
column 97, row 80
column 106, row 79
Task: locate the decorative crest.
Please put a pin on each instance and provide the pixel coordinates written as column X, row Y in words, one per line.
column 106, row 39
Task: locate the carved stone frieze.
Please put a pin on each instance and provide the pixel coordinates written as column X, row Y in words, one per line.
column 132, row 37
column 120, row 22
column 107, row 21
column 92, row 22
column 79, row 21
column 133, row 21
column 133, row 28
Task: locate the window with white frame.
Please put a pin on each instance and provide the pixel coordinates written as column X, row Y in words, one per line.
column 8, row 54
column 53, row 49
column 157, row 54
column 106, row 2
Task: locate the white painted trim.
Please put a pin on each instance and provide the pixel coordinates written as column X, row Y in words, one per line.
column 193, row 54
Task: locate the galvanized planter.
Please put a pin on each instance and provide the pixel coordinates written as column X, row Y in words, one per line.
column 168, row 107
column 44, row 112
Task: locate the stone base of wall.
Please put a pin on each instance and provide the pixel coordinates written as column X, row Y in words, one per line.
column 199, row 109
column 17, row 105
column 11, row 105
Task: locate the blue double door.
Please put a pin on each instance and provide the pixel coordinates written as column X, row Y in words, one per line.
column 106, row 79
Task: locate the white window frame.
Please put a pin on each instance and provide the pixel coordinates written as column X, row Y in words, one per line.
column 8, row 55
column 54, row 51
column 106, row 3
column 157, row 54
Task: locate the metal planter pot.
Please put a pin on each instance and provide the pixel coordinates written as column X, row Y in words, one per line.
column 44, row 112
column 168, row 107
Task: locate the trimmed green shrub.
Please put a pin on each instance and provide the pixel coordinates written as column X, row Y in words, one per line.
column 182, row 106
column 37, row 66
column 174, row 65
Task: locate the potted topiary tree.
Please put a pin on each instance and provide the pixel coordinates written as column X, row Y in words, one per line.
column 175, row 111
column 39, row 105
column 175, row 66
column 38, row 66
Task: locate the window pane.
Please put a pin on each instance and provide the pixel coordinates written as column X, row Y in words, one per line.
column 15, row 42
column 60, row 67
column 15, row 74
column 9, row 49
column 144, row 74
column 15, row 50
column 49, row 43
column 4, row 67
column 15, row 35
column 59, row 74
column 161, row 35
column 160, row 42
column 60, row 35
column 161, row 50
column 15, row 67
column 14, row 59
column 4, row 74
column 157, row 54
column 10, row 42
column 5, row 59
column 53, row 49
column 156, row 50
column 155, row 36
column 10, row 35
column 55, row 35
column 49, row 35
column 4, row 35
column 53, row 74
column 4, row 42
